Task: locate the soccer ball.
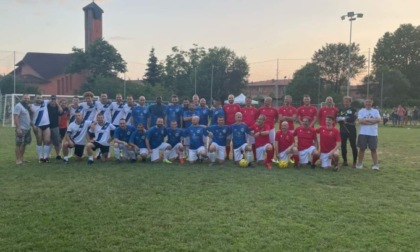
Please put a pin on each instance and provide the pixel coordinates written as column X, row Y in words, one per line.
column 243, row 163
column 283, row 164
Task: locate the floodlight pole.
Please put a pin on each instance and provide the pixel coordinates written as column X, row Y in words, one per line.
column 351, row 17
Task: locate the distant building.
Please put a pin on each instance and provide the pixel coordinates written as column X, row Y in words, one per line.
column 47, row 71
column 267, row 88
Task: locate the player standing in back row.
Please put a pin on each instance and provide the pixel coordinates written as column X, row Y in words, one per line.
column 230, row 109
column 271, row 116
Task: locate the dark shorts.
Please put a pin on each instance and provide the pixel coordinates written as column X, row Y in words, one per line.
column 25, row 138
column 63, row 132
column 365, row 141
column 104, row 149
column 44, row 127
column 55, row 136
column 78, row 150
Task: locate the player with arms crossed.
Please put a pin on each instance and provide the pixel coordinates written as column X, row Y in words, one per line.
column 288, row 113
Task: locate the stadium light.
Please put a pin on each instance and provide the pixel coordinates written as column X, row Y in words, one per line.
column 351, row 16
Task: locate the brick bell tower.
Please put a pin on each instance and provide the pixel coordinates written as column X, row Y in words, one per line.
column 93, row 23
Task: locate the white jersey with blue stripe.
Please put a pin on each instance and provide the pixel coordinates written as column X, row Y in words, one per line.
column 128, row 113
column 40, row 114
column 118, row 112
column 104, row 109
column 88, row 111
column 77, row 132
column 73, row 112
column 103, row 133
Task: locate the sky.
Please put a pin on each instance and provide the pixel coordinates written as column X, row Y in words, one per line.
column 262, row 31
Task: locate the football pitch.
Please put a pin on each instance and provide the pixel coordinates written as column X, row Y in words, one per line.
column 161, row 207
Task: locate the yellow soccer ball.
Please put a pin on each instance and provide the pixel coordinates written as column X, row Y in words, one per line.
column 243, row 163
column 283, row 164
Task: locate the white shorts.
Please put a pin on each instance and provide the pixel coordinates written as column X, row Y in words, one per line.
column 304, row 155
column 193, row 154
column 272, row 135
column 238, row 153
column 284, row 155
column 260, row 152
column 220, row 151
column 175, row 151
column 143, row 151
column 250, row 139
column 325, row 160
column 156, row 151
column 187, row 141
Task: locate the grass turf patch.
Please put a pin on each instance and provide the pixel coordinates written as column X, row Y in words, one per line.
column 123, row 207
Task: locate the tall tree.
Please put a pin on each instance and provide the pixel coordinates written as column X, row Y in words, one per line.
column 332, row 60
column 306, row 80
column 230, row 73
column 400, row 50
column 154, row 70
column 99, row 59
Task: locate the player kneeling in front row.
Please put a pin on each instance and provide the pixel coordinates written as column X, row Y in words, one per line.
column 196, row 133
column 175, row 140
column 219, row 134
column 330, row 142
column 307, row 143
column 101, row 133
column 285, row 147
column 76, row 137
column 155, row 142
column 122, row 147
column 262, row 141
column 138, row 142
column 239, row 139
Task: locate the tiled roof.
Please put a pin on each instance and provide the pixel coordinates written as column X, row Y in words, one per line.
column 47, row 65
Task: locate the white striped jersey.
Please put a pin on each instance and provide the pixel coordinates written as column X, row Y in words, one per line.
column 128, row 113
column 104, row 109
column 103, row 133
column 77, row 132
column 88, row 111
column 40, row 114
column 118, row 112
column 73, row 112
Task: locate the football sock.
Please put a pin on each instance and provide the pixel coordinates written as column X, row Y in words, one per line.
column 270, row 155
column 296, row 159
column 249, row 156
column 212, row 157
column 314, row 159
column 39, row 151
column 228, row 150
column 254, row 151
column 117, row 152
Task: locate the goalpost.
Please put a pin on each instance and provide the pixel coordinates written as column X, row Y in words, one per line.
column 10, row 101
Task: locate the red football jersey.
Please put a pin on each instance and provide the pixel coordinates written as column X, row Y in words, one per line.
column 309, row 111
column 288, row 111
column 328, row 138
column 284, row 140
column 324, row 112
column 230, row 111
column 305, row 137
column 249, row 115
column 261, row 140
column 271, row 115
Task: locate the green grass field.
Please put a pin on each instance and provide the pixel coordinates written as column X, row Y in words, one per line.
column 156, row 207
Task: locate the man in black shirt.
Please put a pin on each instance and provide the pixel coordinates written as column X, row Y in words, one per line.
column 156, row 111
column 54, row 111
column 347, row 120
